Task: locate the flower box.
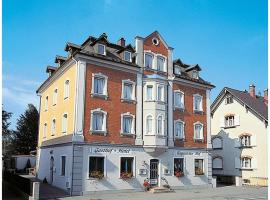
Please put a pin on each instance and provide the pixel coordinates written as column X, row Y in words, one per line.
column 178, row 174
column 96, row 174
column 126, row 175
column 199, row 172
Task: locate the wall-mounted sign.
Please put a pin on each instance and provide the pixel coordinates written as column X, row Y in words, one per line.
column 181, row 153
column 110, row 150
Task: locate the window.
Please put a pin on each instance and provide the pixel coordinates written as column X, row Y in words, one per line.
column 197, row 100
column 217, row 163
column 160, row 93
column 229, row 121
column 217, row 143
column 149, row 92
column 63, row 165
column 179, row 129
column 246, row 162
column 66, row 89
column 160, row 125
column 126, row 169
column 46, row 103
column 64, row 123
column 127, row 126
column 245, row 141
column 177, row 70
column 55, row 97
column 45, row 130
column 160, row 63
column 199, row 167
column 179, row 99
column 198, row 131
column 148, row 61
column 149, row 123
column 195, row 74
column 53, row 126
column 128, row 90
column 98, row 121
column 99, row 84
column 101, row 49
column 229, row 99
column 178, row 164
column 96, row 167
column 127, row 56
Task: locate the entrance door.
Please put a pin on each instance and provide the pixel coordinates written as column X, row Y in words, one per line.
column 51, row 169
column 154, row 172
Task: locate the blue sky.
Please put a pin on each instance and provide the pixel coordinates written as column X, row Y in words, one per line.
column 228, row 39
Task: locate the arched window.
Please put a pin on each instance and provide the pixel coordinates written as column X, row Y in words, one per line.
column 179, row 129
column 53, row 127
column 160, row 125
column 98, row 121
column 217, row 143
column 127, row 123
column 46, row 103
column 198, row 131
column 148, row 60
column 55, row 97
column 217, row 163
column 66, row 89
column 45, row 130
column 149, row 124
column 64, row 123
column 179, row 99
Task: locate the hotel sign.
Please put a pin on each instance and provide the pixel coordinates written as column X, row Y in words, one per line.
column 110, row 150
column 181, row 153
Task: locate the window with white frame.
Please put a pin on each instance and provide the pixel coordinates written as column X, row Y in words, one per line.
column 63, row 165
column 178, row 164
column 98, row 121
column 179, row 129
column 46, row 103
column 126, row 167
column 149, row 124
column 160, row 125
column 160, row 93
column 245, row 141
column 195, row 74
column 229, row 121
column 96, row 167
column 53, row 126
column 246, row 162
column 198, row 131
column 99, row 84
column 217, row 163
column 229, row 99
column 101, row 49
column 179, row 99
column 127, row 56
column 128, row 92
column 197, row 102
column 64, row 123
column 66, row 89
column 177, row 70
column 45, row 130
column 148, row 62
column 160, row 63
column 199, row 167
column 149, row 92
column 55, row 97
column 127, row 125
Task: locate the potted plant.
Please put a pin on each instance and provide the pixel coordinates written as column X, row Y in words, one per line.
column 179, row 174
column 96, row 174
column 146, row 184
column 199, row 172
column 126, row 175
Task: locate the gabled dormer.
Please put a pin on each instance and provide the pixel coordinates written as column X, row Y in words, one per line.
column 71, row 48
column 60, row 60
column 193, row 71
column 50, row 70
column 127, row 53
column 100, row 44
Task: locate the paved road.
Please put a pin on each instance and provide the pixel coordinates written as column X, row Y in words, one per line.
column 222, row 193
column 9, row 193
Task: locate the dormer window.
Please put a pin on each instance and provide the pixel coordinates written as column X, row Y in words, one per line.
column 101, row 49
column 127, row 56
column 177, row 70
column 160, row 63
column 195, row 74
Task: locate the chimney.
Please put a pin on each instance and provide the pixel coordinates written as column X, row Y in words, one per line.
column 252, row 92
column 121, row 42
column 265, row 96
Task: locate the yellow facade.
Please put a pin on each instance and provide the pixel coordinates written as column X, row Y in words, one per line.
column 63, row 105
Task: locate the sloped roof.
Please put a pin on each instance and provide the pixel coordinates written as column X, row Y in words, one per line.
column 256, row 104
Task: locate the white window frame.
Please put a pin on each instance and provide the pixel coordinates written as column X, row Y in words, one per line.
column 197, row 74
column 60, row 171
column 133, row 165
column 229, row 97
column 182, row 99
column 105, row 89
column 179, row 121
column 53, row 129
column 179, row 68
column 130, row 56
column 104, row 127
column 66, row 89
column 250, row 162
column 227, row 121
column 152, row 64
column 104, row 52
column 201, row 133
column 152, row 125
column 162, row 125
column 55, row 95
column 128, row 114
column 45, row 129
column 132, row 83
column 64, row 129
column 164, row 62
column 46, row 103
column 152, row 95
column 201, row 103
column 249, row 138
column 162, row 92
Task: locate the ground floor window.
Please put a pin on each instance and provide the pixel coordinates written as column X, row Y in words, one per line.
column 96, row 167
column 178, row 167
column 63, row 165
column 199, row 167
column 126, row 168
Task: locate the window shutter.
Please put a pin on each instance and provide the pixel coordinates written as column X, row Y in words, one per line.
column 253, row 140
column 237, row 120
column 237, row 162
column 221, row 122
column 237, row 142
column 253, row 163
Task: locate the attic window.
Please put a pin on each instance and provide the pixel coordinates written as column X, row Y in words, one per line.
column 155, row 41
column 229, row 99
column 127, row 56
column 177, row 70
column 195, row 74
column 101, row 49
